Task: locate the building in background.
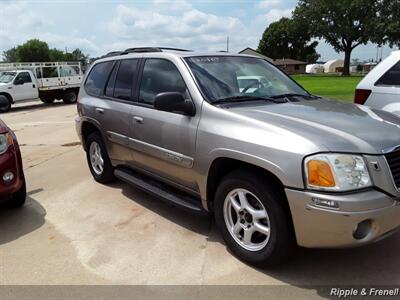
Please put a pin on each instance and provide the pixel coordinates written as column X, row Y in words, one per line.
column 334, row 66
column 315, row 69
column 369, row 66
column 291, row 66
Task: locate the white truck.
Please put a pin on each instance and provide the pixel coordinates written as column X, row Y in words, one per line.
column 45, row 80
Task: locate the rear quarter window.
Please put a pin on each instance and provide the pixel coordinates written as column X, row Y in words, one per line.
column 391, row 77
column 97, row 78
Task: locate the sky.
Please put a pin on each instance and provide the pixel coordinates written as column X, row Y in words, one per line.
column 98, row 27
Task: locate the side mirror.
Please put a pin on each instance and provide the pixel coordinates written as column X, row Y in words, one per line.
column 18, row 81
column 174, row 102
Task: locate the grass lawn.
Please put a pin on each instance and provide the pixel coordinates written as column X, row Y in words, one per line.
column 329, row 86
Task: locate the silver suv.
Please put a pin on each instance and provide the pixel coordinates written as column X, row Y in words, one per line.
column 277, row 166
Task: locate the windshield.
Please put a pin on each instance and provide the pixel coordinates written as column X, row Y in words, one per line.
column 6, row 77
column 224, row 77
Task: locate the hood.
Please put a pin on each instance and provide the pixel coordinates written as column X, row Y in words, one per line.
column 3, row 83
column 336, row 126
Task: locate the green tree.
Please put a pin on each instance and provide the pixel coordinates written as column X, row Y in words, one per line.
column 33, row 50
column 288, row 38
column 10, row 55
column 344, row 24
column 389, row 28
column 36, row 50
column 78, row 55
column 56, row 55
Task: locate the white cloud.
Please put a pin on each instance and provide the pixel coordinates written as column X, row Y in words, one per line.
column 19, row 23
column 173, row 23
column 273, row 15
column 268, row 3
column 172, row 5
column 276, row 13
column 191, row 28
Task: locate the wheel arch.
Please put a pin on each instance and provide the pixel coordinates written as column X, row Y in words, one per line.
column 87, row 128
column 222, row 166
column 9, row 97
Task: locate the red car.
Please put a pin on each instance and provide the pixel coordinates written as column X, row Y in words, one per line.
column 12, row 179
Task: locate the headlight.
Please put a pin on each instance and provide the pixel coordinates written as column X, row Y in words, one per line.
column 336, row 172
column 5, row 141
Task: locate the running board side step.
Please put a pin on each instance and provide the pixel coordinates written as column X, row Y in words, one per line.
column 168, row 195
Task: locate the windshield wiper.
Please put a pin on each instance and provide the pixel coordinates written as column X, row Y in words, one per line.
column 246, row 98
column 288, row 95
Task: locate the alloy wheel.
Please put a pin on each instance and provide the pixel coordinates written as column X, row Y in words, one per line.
column 96, row 158
column 247, row 219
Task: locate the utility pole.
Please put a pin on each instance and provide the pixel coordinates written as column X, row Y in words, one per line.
column 227, row 43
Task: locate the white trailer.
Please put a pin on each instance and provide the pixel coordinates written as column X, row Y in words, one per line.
column 48, row 81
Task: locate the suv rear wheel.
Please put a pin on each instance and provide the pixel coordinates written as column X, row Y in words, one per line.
column 98, row 160
column 252, row 220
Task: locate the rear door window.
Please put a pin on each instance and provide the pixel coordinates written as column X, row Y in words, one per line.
column 97, row 78
column 391, row 77
column 126, row 79
column 111, row 81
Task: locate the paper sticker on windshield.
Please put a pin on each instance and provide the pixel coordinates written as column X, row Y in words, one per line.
column 205, row 59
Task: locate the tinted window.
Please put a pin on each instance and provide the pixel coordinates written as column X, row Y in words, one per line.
column 97, row 78
column 124, row 80
column 391, row 77
column 111, row 81
column 160, row 76
column 25, row 77
column 50, row 72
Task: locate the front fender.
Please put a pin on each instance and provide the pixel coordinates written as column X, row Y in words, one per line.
column 239, row 156
column 250, row 159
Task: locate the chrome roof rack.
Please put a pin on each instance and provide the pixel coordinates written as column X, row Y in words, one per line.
column 150, row 49
column 142, row 50
column 112, row 53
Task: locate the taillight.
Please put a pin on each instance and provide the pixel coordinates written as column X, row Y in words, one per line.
column 361, row 96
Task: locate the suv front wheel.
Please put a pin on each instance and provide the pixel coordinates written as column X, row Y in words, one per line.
column 252, row 220
column 98, row 160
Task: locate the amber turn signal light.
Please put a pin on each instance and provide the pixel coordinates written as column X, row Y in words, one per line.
column 320, row 174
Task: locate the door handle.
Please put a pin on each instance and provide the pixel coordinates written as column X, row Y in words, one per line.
column 100, row 110
column 138, row 119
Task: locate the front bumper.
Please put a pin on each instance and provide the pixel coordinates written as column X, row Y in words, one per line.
column 318, row 227
column 11, row 161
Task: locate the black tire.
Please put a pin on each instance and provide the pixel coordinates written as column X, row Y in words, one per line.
column 70, row 97
column 47, row 100
column 18, row 199
column 5, row 104
column 107, row 174
column 281, row 242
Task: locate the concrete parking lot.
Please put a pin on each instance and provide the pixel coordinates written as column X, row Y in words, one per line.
column 76, row 231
